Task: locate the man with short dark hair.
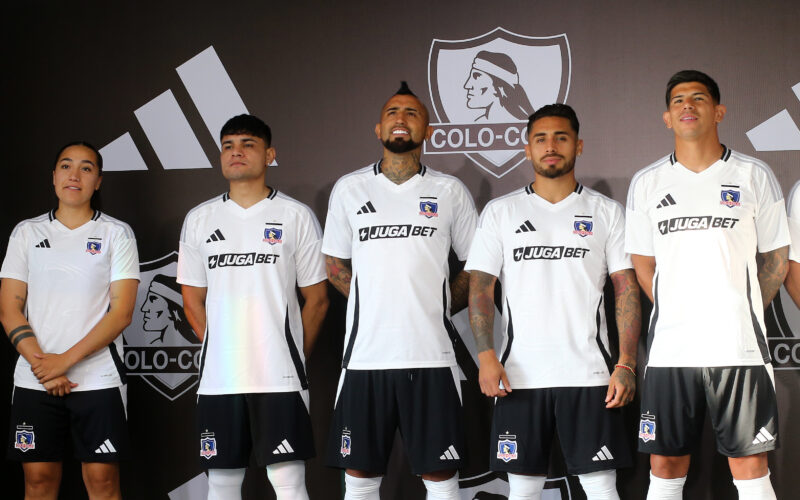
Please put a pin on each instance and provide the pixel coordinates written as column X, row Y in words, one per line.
column 389, row 231
column 242, row 257
column 552, row 245
column 695, row 221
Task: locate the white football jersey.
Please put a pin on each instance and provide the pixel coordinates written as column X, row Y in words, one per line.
column 704, row 230
column 251, row 261
column 69, row 273
column 399, row 238
column 794, row 222
column 552, row 260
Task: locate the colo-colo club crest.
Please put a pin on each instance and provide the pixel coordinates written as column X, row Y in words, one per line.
column 483, row 89
column 160, row 346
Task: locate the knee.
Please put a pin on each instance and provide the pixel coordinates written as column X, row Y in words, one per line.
column 41, row 482
column 102, row 482
column 441, row 475
column 669, row 467
column 289, row 477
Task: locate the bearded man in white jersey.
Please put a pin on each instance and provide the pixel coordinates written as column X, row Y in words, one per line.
column 243, row 256
column 389, row 230
column 696, row 220
column 552, row 244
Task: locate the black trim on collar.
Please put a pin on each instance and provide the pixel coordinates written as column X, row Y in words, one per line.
column 226, row 197
column 726, row 154
column 96, row 215
column 52, row 215
column 422, row 169
column 672, row 158
column 578, row 187
column 376, row 168
column 272, row 193
column 529, row 188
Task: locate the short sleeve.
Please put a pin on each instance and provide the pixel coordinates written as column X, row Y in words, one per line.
column 15, row 265
column 465, row 218
column 486, row 252
column 338, row 238
column 794, row 223
column 125, row 259
column 638, row 228
column 191, row 268
column 309, row 261
column 772, row 227
column 616, row 257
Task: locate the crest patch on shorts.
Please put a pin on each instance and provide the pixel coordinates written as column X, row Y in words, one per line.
column 647, row 427
column 346, row 443
column 208, row 445
column 25, row 439
column 507, row 447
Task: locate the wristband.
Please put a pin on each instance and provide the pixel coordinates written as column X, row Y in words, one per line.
column 620, row 365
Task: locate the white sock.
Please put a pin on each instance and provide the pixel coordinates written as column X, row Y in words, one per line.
column 362, row 488
column 225, row 484
column 442, row 490
column 288, row 479
column 600, row 485
column 525, row 487
column 755, row 489
column 665, row 489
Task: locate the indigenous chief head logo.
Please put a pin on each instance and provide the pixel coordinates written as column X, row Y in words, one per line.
column 208, row 445
column 483, row 89
column 429, row 209
column 160, row 345
column 582, row 228
column 647, row 427
column 273, row 235
column 346, row 443
column 730, row 198
column 24, row 439
column 507, row 447
column 93, row 247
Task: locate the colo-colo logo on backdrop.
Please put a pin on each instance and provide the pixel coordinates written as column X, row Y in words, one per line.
column 160, row 346
column 483, row 89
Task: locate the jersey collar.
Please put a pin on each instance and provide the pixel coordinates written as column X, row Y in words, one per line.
column 726, row 153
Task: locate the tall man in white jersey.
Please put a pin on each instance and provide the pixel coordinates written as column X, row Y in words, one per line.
column 695, row 221
column 389, row 230
column 552, row 244
column 243, row 256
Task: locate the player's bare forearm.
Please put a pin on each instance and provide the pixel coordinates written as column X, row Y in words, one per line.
column 13, row 294
column 194, row 305
column 313, row 313
column 459, row 292
column 645, row 266
column 792, row 282
column 772, row 269
column 340, row 273
column 122, row 299
column 481, row 309
column 628, row 315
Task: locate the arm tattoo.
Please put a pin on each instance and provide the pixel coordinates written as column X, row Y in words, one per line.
column 481, row 309
column 459, row 291
column 772, row 269
column 628, row 313
column 18, row 334
column 340, row 273
column 20, row 299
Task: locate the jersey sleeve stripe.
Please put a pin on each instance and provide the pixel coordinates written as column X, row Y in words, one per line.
column 606, row 355
column 354, row 330
column 509, row 335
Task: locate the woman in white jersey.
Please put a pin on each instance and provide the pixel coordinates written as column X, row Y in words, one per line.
column 68, row 289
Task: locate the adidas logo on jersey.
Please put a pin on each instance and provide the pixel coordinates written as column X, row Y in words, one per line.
column 602, row 455
column 106, row 447
column 526, row 227
column 215, row 236
column 668, row 201
column 763, row 436
column 283, row 448
column 450, row 454
column 43, row 244
column 367, row 208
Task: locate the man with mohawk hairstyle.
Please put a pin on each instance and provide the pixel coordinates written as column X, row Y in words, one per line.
column 389, row 231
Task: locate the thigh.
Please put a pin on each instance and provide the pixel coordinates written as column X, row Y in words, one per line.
column 522, row 432
column 364, row 421
column 592, row 436
column 431, row 418
column 280, row 426
column 223, row 427
column 38, row 427
column 673, row 410
column 99, row 424
column 743, row 409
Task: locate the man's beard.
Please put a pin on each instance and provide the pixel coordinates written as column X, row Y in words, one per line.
column 400, row 146
column 553, row 173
